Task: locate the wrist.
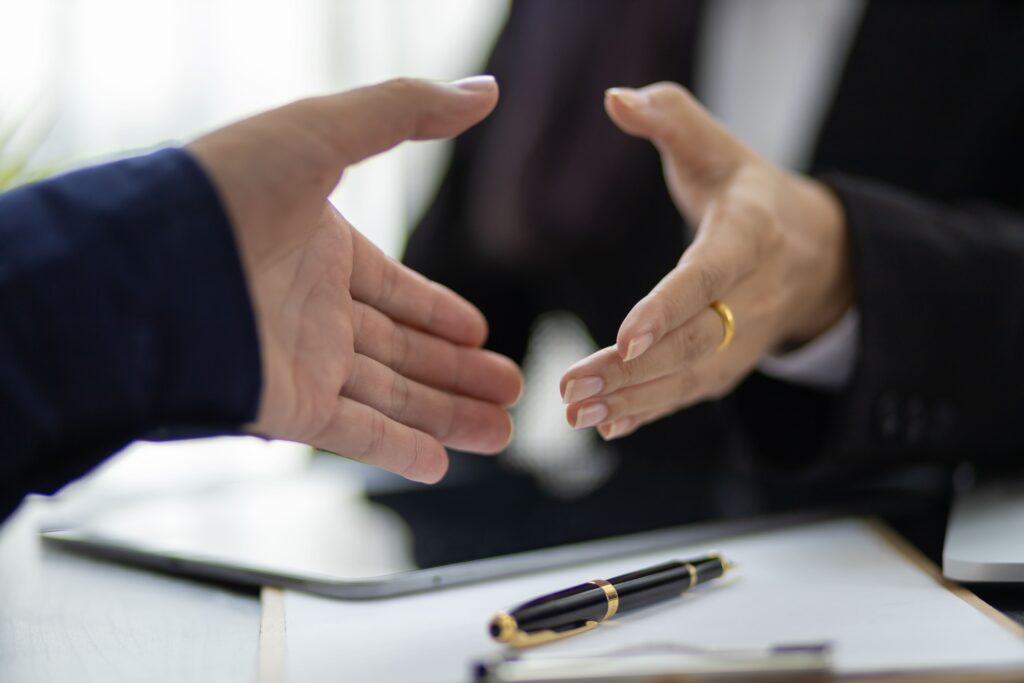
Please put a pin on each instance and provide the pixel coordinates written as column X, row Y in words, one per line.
column 824, row 292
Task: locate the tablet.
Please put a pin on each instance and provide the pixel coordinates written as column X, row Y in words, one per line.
column 331, row 534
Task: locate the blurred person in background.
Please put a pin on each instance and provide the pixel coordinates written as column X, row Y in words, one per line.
column 857, row 205
column 214, row 288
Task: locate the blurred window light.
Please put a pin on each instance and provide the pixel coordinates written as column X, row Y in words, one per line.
column 125, row 75
column 565, row 463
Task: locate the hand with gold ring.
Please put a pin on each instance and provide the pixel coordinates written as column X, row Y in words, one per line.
column 768, row 268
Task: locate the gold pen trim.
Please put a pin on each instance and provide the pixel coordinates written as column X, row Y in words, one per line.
column 611, row 594
column 726, row 564
column 693, row 574
column 505, row 629
column 508, row 632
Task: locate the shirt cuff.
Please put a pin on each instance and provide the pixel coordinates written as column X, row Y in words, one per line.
column 826, row 363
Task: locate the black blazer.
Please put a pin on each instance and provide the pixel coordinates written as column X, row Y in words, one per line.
column 547, row 206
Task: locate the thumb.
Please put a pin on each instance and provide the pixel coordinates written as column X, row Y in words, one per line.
column 362, row 123
column 697, row 152
column 274, row 171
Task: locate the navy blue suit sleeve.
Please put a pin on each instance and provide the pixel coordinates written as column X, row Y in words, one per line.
column 123, row 309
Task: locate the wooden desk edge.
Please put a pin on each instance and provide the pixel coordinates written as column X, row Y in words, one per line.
column 271, row 666
column 917, row 558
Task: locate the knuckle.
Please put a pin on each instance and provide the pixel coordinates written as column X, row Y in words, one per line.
column 679, row 103
column 431, row 314
column 772, row 237
column 403, row 85
column 759, row 214
column 359, row 320
column 618, row 404
column 711, row 280
column 661, row 306
column 453, row 369
column 388, row 283
column 398, row 399
column 399, row 348
column 415, row 456
column 745, row 206
column 401, row 94
column 668, row 310
column 690, row 343
column 448, row 420
column 673, row 94
column 375, row 443
column 623, row 375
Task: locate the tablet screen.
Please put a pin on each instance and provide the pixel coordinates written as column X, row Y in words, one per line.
column 328, row 525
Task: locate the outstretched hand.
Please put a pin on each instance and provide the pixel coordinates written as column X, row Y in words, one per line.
column 361, row 356
column 769, row 244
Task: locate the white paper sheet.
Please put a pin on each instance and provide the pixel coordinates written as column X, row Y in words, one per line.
column 837, row 581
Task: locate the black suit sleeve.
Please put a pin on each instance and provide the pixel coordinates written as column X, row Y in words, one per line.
column 940, row 357
column 123, row 309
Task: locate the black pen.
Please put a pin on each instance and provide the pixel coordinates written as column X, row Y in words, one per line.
column 581, row 608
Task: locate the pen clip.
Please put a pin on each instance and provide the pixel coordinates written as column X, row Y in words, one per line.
column 529, row 639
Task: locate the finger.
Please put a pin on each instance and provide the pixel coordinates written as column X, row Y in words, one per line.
column 700, row 149
column 367, row 121
column 361, row 433
column 605, row 372
column 624, row 426
column 456, row 421
column 668, row 393
column 434, row 361
column 737, row 233
column 407, row 297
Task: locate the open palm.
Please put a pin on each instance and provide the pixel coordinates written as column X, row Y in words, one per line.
column 360, row 355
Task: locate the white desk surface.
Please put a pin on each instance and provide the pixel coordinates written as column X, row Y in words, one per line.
column 846, row 582
column 70, row 618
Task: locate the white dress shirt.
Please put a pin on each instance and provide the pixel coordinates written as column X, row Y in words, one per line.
column 768, row 71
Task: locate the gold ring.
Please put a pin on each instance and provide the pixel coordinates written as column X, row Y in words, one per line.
column 728, row 324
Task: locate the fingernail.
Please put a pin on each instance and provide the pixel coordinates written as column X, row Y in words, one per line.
column 476, row 83
column 582, row 388
column 511, row 431
column 634, row 99
column 638, row 346
column 519, row 396
column 591, row 415
column 615, row 428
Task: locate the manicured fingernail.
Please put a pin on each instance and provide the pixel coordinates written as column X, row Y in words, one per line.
column 638, row 346
column 591, row 415
column 615, row 428
column 633, row 99
column 582, row 388
column 511, row 431
column 519, row 396
column 475, row 83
